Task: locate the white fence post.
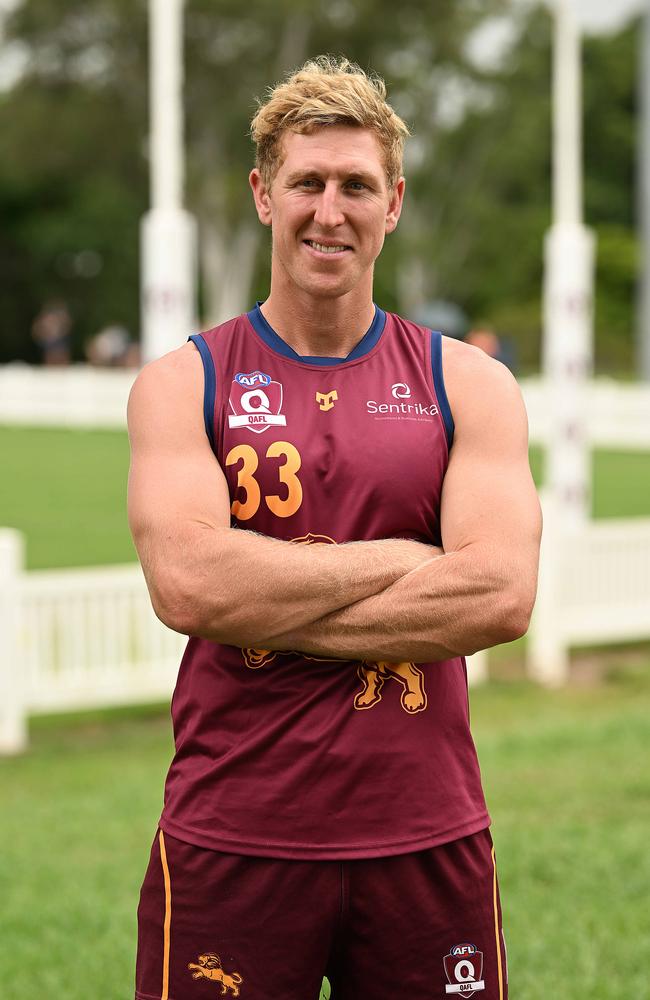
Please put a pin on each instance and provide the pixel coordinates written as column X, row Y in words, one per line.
column 13, row 721
column 477, row 668
column 547, row 654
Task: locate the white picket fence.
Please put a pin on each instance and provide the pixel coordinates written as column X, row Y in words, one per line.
column 74, row 396
column 72, row 639
column 83, row 638
column 76, row 639
column 594, row 587
column 617, row 414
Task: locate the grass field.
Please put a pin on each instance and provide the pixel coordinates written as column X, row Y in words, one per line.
column 567, row 782
column 66, row 490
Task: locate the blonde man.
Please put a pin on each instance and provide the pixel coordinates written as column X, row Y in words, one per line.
column 301, row 514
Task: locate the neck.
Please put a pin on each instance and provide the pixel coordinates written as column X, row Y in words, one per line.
column 320, row 327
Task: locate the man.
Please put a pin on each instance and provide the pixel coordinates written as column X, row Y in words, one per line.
column 300, row 513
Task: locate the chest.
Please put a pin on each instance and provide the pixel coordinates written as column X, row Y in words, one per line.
column 353, row 451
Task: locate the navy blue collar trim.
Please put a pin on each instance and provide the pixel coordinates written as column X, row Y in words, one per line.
column 369, row 340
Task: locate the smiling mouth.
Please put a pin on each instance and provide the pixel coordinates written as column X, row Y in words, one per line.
column 323, row 248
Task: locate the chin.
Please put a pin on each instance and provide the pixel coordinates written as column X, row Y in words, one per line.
column 332, row 288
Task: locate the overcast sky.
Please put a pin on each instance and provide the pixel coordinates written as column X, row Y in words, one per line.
column 603, row 15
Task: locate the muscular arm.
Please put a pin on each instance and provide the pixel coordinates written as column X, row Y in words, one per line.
column 204, row 577
column 481, row 590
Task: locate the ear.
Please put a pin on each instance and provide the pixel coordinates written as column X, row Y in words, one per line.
column 261, row 196
column 395, row 205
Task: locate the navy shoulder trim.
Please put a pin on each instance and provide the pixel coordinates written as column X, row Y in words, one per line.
column 210, row 384
column 439, row 385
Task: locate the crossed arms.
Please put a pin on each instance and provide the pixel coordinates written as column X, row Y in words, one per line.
column 388, row 600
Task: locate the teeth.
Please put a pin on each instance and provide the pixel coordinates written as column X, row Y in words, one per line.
column 323, row 248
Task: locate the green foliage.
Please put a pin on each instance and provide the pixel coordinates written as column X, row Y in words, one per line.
column 610, row 103
column 616, row 278
column 74, row 175
column 77, row 119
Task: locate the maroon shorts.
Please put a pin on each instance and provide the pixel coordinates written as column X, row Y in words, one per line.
column 416, row 926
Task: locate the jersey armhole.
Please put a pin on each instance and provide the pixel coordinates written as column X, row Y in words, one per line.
column 209, row 385
column 439, row 386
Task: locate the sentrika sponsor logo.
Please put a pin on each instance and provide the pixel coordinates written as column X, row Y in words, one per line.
column 414, row 409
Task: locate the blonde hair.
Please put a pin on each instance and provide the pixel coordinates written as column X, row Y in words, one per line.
column 327, row 91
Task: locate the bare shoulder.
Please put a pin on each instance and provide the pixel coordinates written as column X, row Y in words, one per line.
column 477, row 384
column 175, row 380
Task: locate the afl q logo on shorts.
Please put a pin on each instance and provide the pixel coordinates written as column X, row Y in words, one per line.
column 464, row 968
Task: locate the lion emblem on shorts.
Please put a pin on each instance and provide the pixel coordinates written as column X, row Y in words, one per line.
column 209, row 967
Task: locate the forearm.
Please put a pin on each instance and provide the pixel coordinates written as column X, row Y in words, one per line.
column 450, row 606
column 235, row 587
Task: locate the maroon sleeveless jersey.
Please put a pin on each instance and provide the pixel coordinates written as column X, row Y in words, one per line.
column 291, row 756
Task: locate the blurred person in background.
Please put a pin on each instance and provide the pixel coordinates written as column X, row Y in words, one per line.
column 112, row 347
column 335, row 504
column 51, row 331
column 487, row 340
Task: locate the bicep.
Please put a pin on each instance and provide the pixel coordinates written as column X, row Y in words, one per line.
column 175, row 482
column 489, row 498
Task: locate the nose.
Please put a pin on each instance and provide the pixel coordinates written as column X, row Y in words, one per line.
column 329, row 207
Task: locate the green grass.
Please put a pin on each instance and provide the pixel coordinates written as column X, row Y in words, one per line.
column 567, row 782
column 65, row 489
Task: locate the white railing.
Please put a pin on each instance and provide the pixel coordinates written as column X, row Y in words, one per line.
column 78, row 396
column 86, row 638
column 594, row 587
column 74, row 639
column 618, row 414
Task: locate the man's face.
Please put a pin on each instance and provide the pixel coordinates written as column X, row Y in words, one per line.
column 329, row 208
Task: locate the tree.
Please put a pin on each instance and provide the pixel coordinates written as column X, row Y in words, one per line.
column 72, row 174
column 76, row 177
column 493, row 180
column 74, row 185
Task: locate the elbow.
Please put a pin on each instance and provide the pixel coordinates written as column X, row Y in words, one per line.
column 190, row 614
column 512, row 618
column 176, row 603
column 173, row 610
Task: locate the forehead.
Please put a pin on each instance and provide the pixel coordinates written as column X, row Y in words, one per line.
column 341, row 149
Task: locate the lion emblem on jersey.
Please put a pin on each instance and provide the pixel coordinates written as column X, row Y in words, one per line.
column 372, row 674
column 209, row 967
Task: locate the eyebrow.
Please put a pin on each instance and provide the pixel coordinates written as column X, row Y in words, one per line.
column 352, row 175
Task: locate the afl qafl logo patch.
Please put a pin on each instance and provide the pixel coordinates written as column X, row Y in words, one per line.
column 256, row 402
column 464, row 969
